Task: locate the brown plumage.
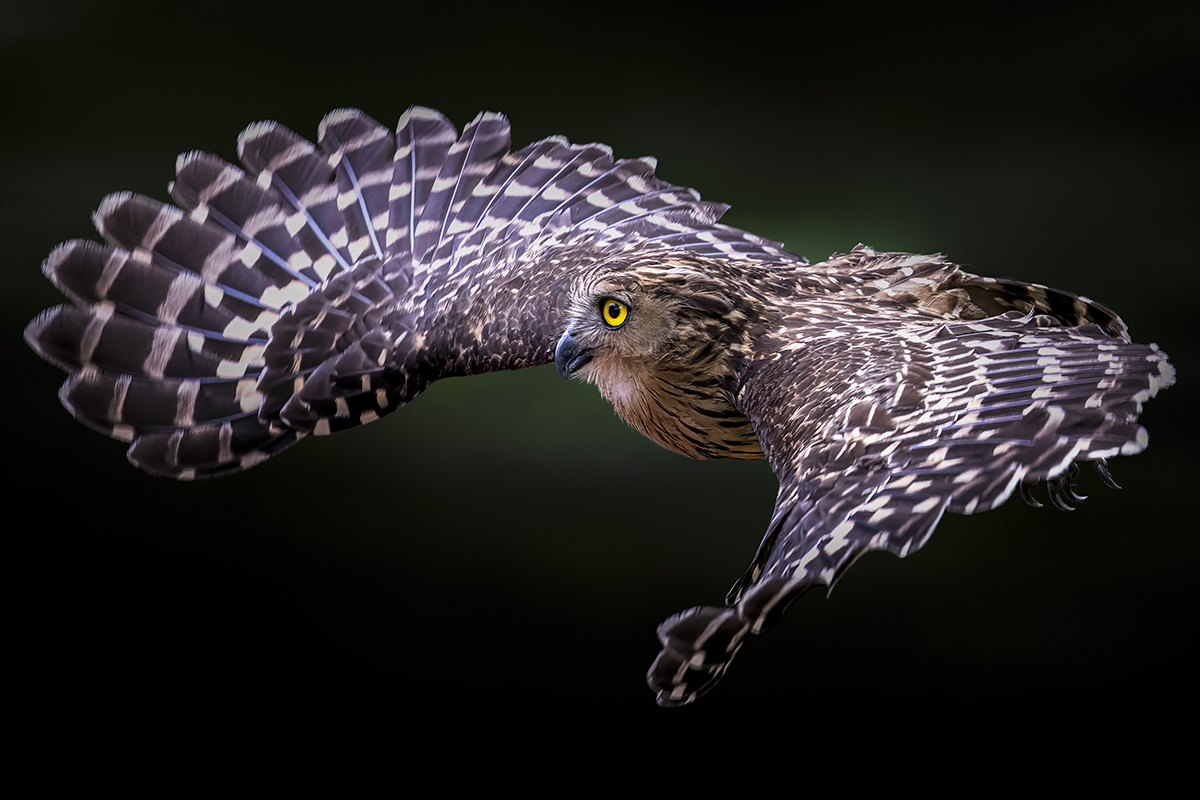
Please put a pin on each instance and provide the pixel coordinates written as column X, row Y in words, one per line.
column 326, row 286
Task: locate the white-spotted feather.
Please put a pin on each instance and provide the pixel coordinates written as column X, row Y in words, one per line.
column 319, row 287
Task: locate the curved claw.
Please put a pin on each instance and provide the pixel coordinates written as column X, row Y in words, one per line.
column 1056, row 497
column 1101, row 468
column 1027, row 495
column 1062, row 490
column 1069, row 486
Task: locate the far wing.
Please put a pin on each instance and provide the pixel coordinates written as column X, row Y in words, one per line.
column 875, row 434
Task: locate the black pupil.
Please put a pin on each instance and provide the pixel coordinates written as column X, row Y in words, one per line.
column 614, row 310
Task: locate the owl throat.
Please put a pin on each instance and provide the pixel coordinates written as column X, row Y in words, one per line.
column 687, row 414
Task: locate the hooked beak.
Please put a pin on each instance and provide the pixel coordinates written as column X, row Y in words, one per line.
column 570, row 356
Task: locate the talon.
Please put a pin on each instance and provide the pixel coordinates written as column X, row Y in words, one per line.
column 1059, row 502
column 1059, row 490
column 1101, row 468
column 1028, row 497
column 1069, row 484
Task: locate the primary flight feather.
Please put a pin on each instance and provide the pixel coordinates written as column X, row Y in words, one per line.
column 321, row 287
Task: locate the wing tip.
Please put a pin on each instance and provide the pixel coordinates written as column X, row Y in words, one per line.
column 108, row 206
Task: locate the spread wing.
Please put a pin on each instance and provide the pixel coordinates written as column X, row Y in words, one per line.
column 877, row 422
column 319, row 287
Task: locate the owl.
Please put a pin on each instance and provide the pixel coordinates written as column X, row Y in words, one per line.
column 320, row 287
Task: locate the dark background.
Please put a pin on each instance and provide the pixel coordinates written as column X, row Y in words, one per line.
column 495, row 558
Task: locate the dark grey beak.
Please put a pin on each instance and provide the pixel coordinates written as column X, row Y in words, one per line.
column 570, row 356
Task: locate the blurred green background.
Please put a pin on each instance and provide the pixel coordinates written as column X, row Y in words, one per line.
column 504, row 548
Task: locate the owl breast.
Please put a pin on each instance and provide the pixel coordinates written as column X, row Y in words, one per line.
column 689, row 416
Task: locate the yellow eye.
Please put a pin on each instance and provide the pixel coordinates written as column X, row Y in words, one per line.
column 614, row 313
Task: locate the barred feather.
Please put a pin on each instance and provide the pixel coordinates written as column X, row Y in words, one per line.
column 319, row 287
